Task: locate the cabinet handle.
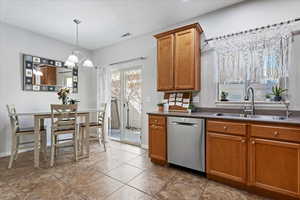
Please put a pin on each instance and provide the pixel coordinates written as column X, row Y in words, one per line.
column 243, row 141
column 253, row 142
column 276, row 133
column 225, row 127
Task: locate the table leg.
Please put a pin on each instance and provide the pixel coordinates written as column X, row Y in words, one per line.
column 43, row 147
column 81, row 138
column 36, row 141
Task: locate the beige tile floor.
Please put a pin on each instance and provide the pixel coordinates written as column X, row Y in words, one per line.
column 124, row 172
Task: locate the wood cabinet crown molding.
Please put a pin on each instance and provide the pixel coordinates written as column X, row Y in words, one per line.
column 183, row 28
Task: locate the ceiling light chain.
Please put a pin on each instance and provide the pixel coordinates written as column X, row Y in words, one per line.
column 77, row 22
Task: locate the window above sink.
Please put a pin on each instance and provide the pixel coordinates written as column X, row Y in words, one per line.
column 259, row 60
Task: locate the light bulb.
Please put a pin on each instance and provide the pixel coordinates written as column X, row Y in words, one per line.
column 88, row 63
column 73, row 58
column 69, row 64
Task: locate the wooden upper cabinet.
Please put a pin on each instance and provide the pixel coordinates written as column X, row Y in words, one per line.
column 185, row 60
column 165, row 63
column 178, row 59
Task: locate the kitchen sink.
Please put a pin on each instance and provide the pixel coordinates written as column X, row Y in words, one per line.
column 236, row 115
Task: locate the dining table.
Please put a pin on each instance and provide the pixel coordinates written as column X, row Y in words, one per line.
column 39, row 118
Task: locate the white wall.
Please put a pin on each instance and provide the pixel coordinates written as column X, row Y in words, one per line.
column 236, row 18
column 14, row 42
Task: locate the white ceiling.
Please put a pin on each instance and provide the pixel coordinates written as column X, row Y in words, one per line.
column 104, row 21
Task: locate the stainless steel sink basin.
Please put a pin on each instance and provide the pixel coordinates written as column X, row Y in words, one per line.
column 265, row 117
column 228, row 115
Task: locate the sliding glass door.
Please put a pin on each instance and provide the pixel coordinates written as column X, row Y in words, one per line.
column 126, row 105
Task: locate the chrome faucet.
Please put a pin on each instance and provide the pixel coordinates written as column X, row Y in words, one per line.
column 247, row 97
column 287, row 111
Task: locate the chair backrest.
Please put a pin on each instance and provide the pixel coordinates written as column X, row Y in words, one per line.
column 64, row 117
column 101, row 114
column 14, row 120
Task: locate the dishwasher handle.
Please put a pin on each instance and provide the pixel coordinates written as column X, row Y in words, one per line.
column 184, row 124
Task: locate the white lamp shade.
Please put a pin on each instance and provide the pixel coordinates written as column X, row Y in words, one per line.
column 69, row 64
column 73, row 58
column 88, row 63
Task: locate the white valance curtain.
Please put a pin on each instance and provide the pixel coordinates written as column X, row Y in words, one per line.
column 254, row 57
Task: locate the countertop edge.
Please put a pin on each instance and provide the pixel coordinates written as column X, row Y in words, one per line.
column 207, row 115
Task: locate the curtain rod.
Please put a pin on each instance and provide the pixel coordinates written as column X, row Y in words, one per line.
column 251, row 30
column 129, row 60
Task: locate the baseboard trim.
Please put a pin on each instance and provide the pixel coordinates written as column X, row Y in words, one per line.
column 6, row 154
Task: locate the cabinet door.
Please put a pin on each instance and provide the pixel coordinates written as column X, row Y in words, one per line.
column 226, row 156
column 185, row 60
column 275, row 166
column 165, row 61
column 158, row 143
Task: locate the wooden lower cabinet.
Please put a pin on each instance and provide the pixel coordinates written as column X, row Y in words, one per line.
column 158, row 139
column 261, row 157
column 226, row 156
column 275, row 165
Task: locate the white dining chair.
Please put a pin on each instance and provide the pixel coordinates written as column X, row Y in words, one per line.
column 18, row 132
column 64, row 121
column 99, row 125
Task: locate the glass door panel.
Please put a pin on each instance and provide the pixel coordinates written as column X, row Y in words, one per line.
column 116, row 95
column 132, row 112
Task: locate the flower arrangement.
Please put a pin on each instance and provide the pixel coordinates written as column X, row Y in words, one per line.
column 63, row 94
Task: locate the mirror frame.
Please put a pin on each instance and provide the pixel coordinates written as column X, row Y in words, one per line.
column 29, row 60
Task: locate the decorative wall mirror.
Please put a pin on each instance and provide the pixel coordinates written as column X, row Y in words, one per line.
column 42, row 74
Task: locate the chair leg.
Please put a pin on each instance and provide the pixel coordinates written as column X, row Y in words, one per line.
column 82, row 141
column 53, row 143
column 75, row 146
column 56, row 148
column 103, row 138
column 44, row 146
column 13, row 151
column 17, row 148
column 99, row 135
column 79, row 139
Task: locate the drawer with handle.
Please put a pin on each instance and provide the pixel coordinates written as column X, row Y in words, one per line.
column 157, row 120
column 234, row 128
column 275, row 132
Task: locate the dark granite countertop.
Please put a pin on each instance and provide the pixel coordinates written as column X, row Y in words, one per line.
column 212, row 115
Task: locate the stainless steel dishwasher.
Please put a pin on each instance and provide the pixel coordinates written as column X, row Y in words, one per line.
column 186, row 142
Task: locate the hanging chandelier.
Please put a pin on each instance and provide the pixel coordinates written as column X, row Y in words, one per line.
column 77, row 58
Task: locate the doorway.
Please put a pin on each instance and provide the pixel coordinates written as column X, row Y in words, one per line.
column 126, row 105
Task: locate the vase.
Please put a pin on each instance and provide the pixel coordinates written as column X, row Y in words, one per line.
column 64, row 100
column 277, row 98
column 160, row 108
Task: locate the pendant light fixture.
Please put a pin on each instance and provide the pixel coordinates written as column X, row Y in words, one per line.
column 77, row 58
